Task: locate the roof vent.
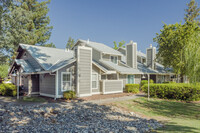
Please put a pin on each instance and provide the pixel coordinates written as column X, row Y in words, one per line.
column 88, row 41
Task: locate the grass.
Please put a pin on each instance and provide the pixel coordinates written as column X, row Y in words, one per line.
column 33, row 99
column 176, row 116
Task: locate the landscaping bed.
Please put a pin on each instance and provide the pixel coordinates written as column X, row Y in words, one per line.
column 71, row 117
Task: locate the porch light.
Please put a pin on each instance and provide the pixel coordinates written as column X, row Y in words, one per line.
column 143, row 76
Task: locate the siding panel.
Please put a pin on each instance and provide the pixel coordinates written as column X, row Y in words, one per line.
column 84, row 70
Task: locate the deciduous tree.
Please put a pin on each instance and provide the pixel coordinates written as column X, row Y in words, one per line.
column 120, row 44
column 192, row 12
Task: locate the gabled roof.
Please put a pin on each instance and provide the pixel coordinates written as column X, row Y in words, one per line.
column 121, row 69
column 47, row 57
column 25, row 65
column 101, row 47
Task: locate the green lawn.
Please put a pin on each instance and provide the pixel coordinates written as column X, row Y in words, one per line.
column 176, row 116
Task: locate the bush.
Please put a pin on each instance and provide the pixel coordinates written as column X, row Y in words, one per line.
column 132, row 88
column 69, row 95
column 143, row 82
column 8, row 89
column 179, row 91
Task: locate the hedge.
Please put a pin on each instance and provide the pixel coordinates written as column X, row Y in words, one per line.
column 69, row 95
column 8, row 89
column 182, row 91
column 143, row 82
column 132, row 88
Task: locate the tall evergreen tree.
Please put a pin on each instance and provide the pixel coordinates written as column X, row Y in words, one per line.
column 26, row 21
column 39, row 20
column 70, row 43
column 192, row 12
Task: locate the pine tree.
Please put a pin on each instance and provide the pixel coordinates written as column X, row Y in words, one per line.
column 39, row 20
column 70, row 43
column 26, row 21
column 192, row 12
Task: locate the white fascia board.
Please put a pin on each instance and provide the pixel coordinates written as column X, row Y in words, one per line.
column 99, row 67
column 33, row 57
column 64, row 65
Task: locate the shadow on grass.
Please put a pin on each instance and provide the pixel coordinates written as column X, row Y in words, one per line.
column 173, row 127
column 171, row 109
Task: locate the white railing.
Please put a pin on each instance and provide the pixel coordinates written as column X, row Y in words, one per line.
column 111, row 86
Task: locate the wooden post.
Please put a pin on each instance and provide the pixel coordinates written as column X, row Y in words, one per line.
column 18, row 85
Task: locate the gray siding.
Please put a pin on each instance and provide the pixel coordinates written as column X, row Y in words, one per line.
column 96, row 70
column 84, row 70
column 151, row 56
column 123, row 77
column 131, row 55
column 96, row 55
column 47, row 84
column 122, row 51
column 137, row 79
column 106, row 57
column 68, row 68
column 113, row 86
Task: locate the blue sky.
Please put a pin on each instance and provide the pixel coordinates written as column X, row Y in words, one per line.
column 106, row 21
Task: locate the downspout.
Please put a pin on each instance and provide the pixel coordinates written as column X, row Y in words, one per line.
column 56, row 84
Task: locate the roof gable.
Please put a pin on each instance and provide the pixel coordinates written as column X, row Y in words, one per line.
column 100, row 47
column 47, row 57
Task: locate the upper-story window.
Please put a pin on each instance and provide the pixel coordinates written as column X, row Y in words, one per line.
column 114, row 59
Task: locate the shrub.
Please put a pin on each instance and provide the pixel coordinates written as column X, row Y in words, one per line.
column 8, row 89
column 69, row 95
column 180, row 91
column 132, row 88
column 143, row 82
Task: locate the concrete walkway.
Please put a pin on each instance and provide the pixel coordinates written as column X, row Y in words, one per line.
column 14, row 101
column 115, row 99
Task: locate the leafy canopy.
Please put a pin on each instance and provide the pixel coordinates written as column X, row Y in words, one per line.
column 120, row 44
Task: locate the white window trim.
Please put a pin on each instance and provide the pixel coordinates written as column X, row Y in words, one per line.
column 62, row 73
column 97, row 85
column 113, row 56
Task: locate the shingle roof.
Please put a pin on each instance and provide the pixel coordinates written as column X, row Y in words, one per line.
column 48, row 57
column 101, row 47
column 25, row 65
column 121, row 69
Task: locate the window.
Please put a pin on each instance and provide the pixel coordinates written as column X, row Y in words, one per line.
column 25, row 54
column 66, row 81
column 94, row 80
column 114, row 59
column 130, row 79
